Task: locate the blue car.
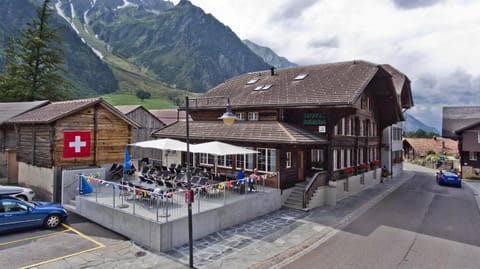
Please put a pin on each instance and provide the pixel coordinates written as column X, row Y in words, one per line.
column 16, row 214
column 449, row 177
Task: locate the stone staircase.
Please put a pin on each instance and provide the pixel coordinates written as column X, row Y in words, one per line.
column 71, row 205
column 295, row 199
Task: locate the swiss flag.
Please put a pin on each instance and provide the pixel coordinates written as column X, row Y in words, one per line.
column 76, row 144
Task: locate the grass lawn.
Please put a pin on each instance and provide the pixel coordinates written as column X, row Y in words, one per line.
column 126, row 99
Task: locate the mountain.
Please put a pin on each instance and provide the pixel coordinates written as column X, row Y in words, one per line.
column 269, row 56
column 87, row 73
column 180, row 45
column 412, row 124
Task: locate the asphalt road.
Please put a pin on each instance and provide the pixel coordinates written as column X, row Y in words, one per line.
column 420, row 225
column 40, row 246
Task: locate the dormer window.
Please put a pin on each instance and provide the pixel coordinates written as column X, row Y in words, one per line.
column 252, row 81
column 301, row 76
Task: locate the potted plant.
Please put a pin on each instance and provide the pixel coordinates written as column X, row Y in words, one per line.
column 332, row 182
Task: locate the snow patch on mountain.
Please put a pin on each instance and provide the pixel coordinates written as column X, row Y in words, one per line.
column 126, row 4
column 61, row 12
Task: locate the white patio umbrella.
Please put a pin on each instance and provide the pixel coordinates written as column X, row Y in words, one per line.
column 217, row 148
column 164, row 144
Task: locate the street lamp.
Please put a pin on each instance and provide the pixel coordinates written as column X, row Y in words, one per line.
column 228, row 118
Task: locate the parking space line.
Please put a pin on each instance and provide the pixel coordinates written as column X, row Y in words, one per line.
column 33, row 237
column 99, row 246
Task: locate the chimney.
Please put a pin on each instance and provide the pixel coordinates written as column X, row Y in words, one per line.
column 272, row 71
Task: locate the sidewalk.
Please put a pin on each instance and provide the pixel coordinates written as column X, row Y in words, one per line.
column 266, row 242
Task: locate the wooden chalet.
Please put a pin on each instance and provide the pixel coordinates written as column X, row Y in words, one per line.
column 66, row 135
column 462, row 123
column 414, row 148
column 149, row 123
column 8, row 136
column 305, row 122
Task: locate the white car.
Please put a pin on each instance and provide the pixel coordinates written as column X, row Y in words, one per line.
column 22, row 193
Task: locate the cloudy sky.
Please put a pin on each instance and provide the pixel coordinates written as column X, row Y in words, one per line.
column 431, row 41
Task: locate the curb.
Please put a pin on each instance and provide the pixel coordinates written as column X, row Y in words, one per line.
column 297, row 251
column 475, row 191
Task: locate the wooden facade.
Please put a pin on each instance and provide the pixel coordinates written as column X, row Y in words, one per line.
column 149, row 123
column 324, row 118
column 8, row 135
column 42, row 145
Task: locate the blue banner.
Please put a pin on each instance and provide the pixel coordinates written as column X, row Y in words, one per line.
column 84, row 188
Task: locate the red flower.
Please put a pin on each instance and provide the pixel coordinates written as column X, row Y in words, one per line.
column 349, row 170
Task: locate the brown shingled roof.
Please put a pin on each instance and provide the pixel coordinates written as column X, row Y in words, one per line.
column 57, row 110
column 127, row 108
column 259, row 131
column 326, row 84
column 12, row 109
column 168, row 116
column 457, row 118
column 439, row 145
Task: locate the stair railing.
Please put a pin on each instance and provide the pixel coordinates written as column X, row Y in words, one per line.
column 319, row 179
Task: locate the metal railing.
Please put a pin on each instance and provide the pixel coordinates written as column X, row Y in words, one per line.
column 162, row 206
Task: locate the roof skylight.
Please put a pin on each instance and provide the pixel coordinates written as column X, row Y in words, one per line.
column 301, row 76
column 266, row 87
column 252, row 81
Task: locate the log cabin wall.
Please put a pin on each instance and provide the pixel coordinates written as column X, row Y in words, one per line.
column 34, row 145
column 109, row 136
column 149, row 124
column 113, row 134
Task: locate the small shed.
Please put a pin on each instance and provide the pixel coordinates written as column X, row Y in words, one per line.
column 67, row 135
column 149, row 123
column 8, row 136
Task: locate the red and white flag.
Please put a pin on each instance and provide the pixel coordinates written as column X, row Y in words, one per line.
column 76, row 144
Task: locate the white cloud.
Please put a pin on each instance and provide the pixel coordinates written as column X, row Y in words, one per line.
column 418, row 37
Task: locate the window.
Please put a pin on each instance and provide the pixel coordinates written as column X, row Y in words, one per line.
column 338, row 160
column 342, row 158
column 478, row 137
column 266, row 160
column 252, row 115
column 240, row 115
column 334, row 153
column 301, row 76
column 288, row 160
column 206, row 158
column 240, row 161
column 245, row 161
column 472, row 156
column 349, row 158
column 225, row 161
column 252, row 81
column 317, row 155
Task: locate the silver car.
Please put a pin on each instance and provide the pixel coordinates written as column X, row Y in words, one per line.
column 22, row 193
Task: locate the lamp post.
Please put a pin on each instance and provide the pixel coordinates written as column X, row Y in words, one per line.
column 228, row 118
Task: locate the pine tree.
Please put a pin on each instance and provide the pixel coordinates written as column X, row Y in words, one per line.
column 33, row 63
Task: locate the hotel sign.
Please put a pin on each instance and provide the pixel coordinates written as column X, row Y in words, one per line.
column 319, row 119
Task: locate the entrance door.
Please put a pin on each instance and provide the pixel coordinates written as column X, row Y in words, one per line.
column 12, row 165
column 301, row 166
